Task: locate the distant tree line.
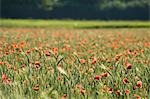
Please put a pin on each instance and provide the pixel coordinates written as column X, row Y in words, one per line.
column 76, row 9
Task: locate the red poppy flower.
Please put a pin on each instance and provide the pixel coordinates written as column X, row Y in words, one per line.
column 36, row 88
column 139, row 84
column 118, row 92
column 37, row 63
column 94, row 61
column 125, row 81
column 4, row 77
column 127, row 91
column 110, row 90
column 82, row 61
column 47, row 53
column 28, row 51
column 55, row 50
column 64, row 96
column 82, row 91
column 97, row 77
column 105, row 75
column 1, row 63
column 128, row 66
column 137, row 96
column 90, row 51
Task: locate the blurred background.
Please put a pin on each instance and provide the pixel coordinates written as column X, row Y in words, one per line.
column 76, row 9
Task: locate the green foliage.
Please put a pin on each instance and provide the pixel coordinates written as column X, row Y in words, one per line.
column 49, row 4
column 122, row 4
column 103, row 4
column 20, row 2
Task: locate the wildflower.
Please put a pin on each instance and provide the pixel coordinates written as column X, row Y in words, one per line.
column 128, row 66
column 97, row 77
column 7, row 53
column 117, row 57
column 28, row 51
column 105, row 75
column 15, row 68
column 125, row 81
column 1, row 63
column 94, row 61
column 82, row 61
column 23, row 43
column 37, row 63
column 110, row 90
column 137, row 96
column 47, row 53
column 23, row 66
column 64, row 96
column 90, row 51
column 59, row 78
column 82, row 91
column 5, row 79
column 129, row 51
column 135, row 87
column 36, row 88
column 55, row 50
column 139, row 84
column 127, row 91
column 135, row 53
column 118, row 92
column 142, row 50
column 40, row 48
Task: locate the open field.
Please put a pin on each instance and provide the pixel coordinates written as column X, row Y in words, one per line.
column 72, row 24
column 38, row 63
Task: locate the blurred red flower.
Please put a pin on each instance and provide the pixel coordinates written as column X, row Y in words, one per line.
column 82, row 61
column 105, row 74
column 36, row 88
column 118, row 92
column 129, row 66
column 139, row 84
column 127, row 91
column 6, row 79
column 125, row 81
column 37, row 63
column 94, row 60
column 47, row 53
column 97, row 77
column 137, row 96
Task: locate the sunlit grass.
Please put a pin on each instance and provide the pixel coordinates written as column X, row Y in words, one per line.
column 72, row 23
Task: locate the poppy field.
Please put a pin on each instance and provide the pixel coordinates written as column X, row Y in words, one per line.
column 38, row 63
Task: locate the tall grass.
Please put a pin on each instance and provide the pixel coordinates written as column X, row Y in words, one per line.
column 74, row 64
